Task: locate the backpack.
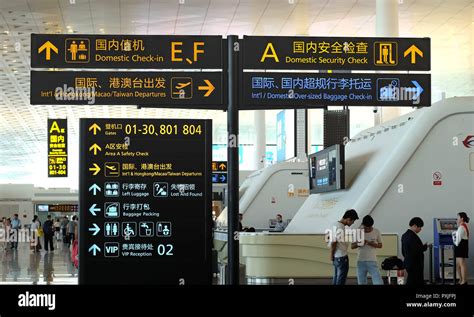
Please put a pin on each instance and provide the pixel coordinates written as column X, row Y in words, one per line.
column 392, row 263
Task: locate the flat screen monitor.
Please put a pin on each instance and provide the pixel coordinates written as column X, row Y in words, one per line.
column 326, row 170
column 449, row 224
column 42, row 207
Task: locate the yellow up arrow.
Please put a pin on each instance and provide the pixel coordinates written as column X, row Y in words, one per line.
column 209, row 87
column 95, row 127
column 48, row 46
column 413, row 50
column 95, row 169
column 95, row 148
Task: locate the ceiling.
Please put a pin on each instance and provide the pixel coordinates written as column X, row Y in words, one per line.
column 23, row 142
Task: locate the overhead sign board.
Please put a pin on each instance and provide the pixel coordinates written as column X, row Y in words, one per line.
column 57, row 147
column 145, row 197
column 180, row 89
column 219, row 172
column 306, row 90
column 125, row 51
column 331, row 53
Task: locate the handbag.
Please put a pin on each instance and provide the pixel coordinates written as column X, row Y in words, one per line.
column 40, row 232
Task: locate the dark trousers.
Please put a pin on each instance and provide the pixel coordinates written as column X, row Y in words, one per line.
column 341, row 267
column 415, row 277
column 48, row 241
column 70, row 239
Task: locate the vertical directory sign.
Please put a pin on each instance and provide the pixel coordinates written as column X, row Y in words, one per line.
column 57, row 147
column 145, row 201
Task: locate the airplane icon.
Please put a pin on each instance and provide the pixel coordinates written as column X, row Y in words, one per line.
column 112, row 169
column 182, row 85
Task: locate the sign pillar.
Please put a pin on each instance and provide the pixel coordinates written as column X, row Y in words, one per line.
column 386, row 15
column 233, row 161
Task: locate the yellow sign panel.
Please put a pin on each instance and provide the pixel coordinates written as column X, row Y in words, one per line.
column 57, row 148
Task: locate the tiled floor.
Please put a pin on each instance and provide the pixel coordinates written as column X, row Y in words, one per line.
column 23, row 266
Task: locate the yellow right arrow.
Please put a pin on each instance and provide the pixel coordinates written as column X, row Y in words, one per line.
column 48, row 46
column 209, row 87
column 413, row 50
column 95, row 169
column 95, row 148
column 95, row 127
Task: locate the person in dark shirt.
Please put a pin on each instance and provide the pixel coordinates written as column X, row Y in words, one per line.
column 412, row 250
column 48, row 230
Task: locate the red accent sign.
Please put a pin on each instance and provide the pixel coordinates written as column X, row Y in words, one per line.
column 469, row 141
column 437, row 179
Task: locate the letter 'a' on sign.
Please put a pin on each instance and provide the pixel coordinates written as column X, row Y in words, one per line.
column 57, row 148
column 269, row 53
column 146, row 210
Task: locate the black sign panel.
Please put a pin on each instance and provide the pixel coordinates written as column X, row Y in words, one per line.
column 305, row 90
column 219, row 172
column 57, row 147
column 145, row 201
column 349, row 53
column 127, row 88
column 125, row 51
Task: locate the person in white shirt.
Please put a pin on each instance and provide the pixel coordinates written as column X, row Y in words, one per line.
column 35, row 225
column 339, row 246
column 367, row 257
column 461, row 247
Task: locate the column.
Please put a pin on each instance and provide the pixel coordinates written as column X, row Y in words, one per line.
column 260, row 139
column 386, row 25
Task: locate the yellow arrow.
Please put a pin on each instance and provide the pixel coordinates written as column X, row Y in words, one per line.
column 413, row 50
column 222, row 166
column 209, row 87
column 95, row 148
column 95, row 169
column 48, row 46
column 95, row 127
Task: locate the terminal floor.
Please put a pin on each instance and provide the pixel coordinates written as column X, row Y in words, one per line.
column 23, row 266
